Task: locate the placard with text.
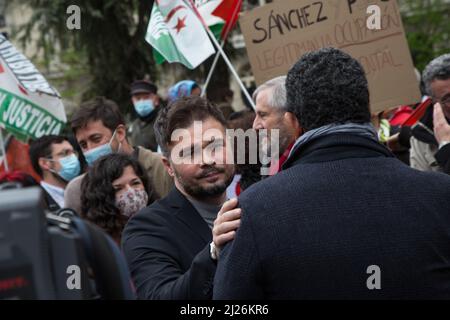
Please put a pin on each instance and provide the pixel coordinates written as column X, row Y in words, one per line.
column 278, row 34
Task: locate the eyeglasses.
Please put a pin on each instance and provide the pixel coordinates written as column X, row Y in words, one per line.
column 64, row 153
column 444, row 101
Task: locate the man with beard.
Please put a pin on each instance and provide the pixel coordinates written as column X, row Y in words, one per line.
column 271, row 114
column 172, row 246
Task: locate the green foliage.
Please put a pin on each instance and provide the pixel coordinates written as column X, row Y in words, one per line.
column 110, row 45
column 111, row 41
column 427, row 28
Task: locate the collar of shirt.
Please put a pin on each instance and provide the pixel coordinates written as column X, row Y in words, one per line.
column 207, row 211
column 55, row 192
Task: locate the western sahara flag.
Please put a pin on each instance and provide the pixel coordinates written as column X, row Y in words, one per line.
column 219, row 15
column 177, row 34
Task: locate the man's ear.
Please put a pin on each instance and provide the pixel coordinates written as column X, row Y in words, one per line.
column 293, row 123
column 156, row 100
column 168, row 166
column 121, row 133
column 44, row 164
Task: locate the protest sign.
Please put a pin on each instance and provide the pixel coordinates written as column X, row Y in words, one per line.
column 278, row 34
column 29, row 106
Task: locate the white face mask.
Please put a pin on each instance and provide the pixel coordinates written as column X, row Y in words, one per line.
column 132, row 201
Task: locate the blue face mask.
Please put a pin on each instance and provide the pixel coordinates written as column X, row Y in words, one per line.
column 92, row 155
column 70, row 167
column 144, row 107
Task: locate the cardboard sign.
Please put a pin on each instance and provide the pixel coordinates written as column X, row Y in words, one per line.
column 278, row 34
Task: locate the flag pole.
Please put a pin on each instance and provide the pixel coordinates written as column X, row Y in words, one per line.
column 2, row 146
column 233, row 71
column 224, row 56
column 211, row 71
column 216, row 58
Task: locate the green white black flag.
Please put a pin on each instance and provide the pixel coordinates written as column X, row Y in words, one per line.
column 177, row 33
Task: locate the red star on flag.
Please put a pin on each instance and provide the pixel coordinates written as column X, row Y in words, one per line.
column 180, row 24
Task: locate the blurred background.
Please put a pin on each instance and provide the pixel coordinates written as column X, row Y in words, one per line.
column 109, row 51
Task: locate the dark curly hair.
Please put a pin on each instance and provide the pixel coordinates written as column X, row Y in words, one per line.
column 98, row 194
column 327, row 86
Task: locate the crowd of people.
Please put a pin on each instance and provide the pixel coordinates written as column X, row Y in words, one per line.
column 345, row 189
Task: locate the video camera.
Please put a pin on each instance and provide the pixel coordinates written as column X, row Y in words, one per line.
column 49, row 256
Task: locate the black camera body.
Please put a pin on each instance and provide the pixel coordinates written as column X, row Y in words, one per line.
column 46, row 256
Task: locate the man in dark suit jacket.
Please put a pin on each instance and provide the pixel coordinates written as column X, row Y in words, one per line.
column 344, row 219
column 172, row 246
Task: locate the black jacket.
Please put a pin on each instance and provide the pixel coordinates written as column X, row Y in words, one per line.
column 167, row 249
column 52, row 205
column 342, row 204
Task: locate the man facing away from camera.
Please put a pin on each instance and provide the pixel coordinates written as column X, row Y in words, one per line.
column 333, row 224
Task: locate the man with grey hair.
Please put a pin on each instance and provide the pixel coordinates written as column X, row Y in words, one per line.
column 430, row 141
column 272, row 114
